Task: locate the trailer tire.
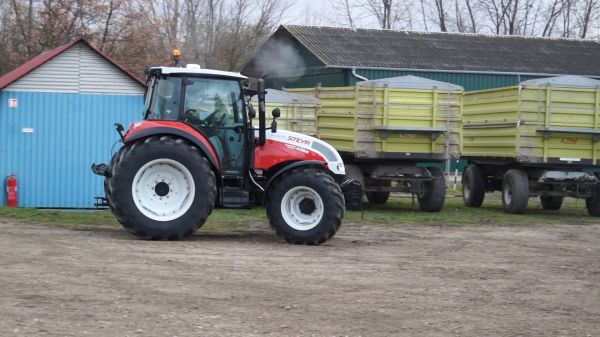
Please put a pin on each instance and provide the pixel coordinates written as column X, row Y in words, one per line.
column 593, row 203
column 515, row 191
column 551, row 203
column 377, row 198
column 434, row 194
column 145, row 173
column 305, row 206
column 473, row 186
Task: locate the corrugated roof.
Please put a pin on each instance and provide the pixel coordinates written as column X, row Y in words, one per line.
column 371, row 48
column 46, row 56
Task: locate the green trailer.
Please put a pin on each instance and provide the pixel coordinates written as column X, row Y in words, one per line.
column 539, row 138
column 298, row 112
column 384, row 128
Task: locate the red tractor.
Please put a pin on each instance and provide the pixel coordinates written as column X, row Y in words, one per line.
column 196, row 149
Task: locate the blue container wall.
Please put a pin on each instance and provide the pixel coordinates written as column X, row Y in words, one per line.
column 70, row 132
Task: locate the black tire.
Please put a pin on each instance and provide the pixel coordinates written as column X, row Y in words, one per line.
column 473, row 186
column 115, row 159
column 378, row 198
column 329, row 195
column 551, row 203
column 434, row 192
column 515, row 191
column 593, row 203
column 131, row 158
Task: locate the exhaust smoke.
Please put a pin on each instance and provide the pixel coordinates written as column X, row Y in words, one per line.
column 279, row 60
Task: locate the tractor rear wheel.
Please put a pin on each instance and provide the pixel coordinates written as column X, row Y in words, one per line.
column 551, row 203
column 161, row 188
column 434, row 192
column 305, row 206
column 473, row 186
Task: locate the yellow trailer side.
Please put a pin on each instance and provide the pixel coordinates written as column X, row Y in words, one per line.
column 533, row 123
column 388, row 119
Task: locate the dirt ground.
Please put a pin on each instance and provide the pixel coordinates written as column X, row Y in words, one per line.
column 370, row 280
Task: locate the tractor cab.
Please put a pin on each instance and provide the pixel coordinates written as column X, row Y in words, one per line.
column 210, row 101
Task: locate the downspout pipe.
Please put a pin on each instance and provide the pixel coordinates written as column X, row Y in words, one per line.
column 362, row 78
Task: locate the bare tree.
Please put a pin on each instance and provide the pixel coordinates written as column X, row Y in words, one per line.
column 441, row 14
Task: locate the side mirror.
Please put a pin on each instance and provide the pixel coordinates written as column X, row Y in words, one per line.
column 251, row 111
column 276, row 113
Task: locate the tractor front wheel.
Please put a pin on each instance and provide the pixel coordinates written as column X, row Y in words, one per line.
column 305, row 206
column 161, row 188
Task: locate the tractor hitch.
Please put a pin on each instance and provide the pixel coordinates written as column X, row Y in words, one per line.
column 101, row 170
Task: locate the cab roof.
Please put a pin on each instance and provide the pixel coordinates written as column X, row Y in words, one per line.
column 194, row 69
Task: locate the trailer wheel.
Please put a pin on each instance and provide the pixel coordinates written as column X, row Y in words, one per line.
column 515, row 191
column 305, row 206
column 551, row 203
column 378, row 198
column 161, row 188
column 593, row 203
column 434, row 192
column 473, row 186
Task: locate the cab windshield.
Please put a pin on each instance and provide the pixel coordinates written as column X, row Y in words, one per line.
column 212, row 102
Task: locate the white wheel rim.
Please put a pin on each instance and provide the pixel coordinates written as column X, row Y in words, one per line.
column 467, row 189
column 163, row 189
column 507, row 193
column 302, row 208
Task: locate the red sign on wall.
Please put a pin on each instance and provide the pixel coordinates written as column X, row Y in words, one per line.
column 12, row 103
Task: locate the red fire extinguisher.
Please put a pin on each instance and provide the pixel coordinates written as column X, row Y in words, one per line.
column 11, row 191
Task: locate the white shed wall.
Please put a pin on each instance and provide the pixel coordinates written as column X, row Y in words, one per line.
column 78, row 69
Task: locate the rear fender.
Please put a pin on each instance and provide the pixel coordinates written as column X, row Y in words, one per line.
column 150, row 128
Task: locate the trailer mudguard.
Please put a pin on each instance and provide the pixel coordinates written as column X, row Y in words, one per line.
column 146, row 129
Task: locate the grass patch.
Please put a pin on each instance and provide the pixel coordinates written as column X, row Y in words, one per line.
column 401, row 210
column 398, row 211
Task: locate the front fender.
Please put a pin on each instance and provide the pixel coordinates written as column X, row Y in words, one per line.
column 303, row 163
column 146, row 129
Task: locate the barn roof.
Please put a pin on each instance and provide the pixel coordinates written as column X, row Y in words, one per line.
column 46, row 56
column 406, row 50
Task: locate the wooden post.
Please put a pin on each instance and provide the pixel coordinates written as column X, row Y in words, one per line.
column 548, row 115
column 434, row 116
column 386, row 113
column 596, row 118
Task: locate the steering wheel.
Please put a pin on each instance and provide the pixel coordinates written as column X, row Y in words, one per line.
column 209, row 120
column 191, row 118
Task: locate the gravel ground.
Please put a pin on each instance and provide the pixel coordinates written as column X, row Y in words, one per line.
column 370, row 280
